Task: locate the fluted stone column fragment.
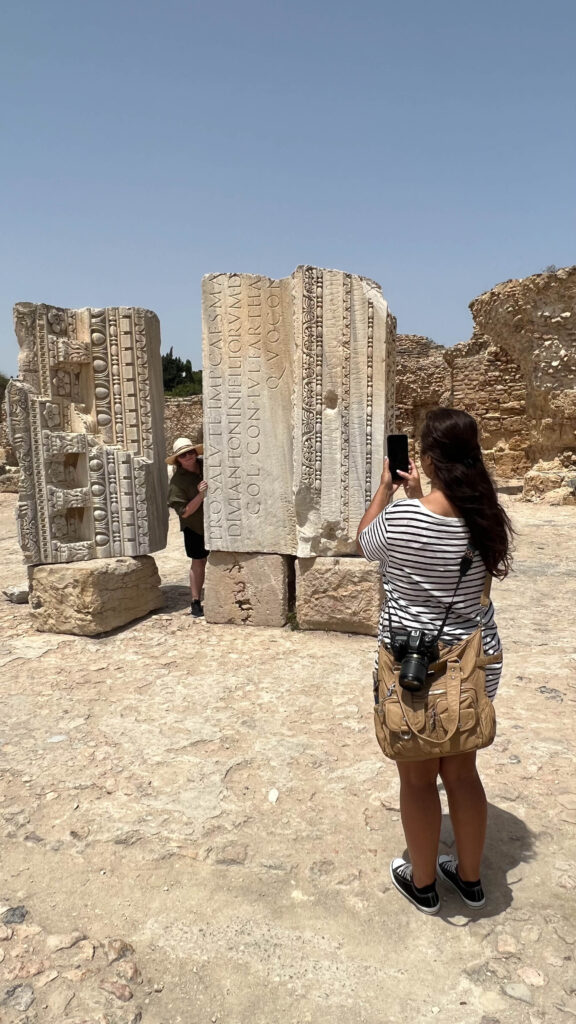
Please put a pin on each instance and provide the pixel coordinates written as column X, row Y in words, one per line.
column 85, row 418
column 298, row 399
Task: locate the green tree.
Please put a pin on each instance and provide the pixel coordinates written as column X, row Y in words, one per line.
column 179, row 378
column 3, row 382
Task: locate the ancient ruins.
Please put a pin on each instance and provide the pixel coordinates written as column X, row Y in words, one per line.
column 299, row 378
column 298, row 398
column 517, row 376
column 85, row 420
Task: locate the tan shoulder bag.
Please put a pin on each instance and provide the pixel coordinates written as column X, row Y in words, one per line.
column 451, row 715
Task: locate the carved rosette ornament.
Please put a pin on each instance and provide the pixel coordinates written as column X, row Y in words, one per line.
column 85, row 418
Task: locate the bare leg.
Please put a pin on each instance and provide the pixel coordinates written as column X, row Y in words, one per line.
column 197, row 573
column 421, row 817
column 468, row 810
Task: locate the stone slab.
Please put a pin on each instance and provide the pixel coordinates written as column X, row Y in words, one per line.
column 298, row 398
column 342, row 594
column 247, row 589
column 88, row 598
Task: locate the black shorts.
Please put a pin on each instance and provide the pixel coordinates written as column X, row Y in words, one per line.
column 194, row 544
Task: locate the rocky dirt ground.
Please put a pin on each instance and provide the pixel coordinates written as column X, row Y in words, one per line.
column 196, row 823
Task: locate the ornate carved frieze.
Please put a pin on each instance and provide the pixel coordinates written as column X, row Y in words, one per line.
column 86, row 421
column 298, row 398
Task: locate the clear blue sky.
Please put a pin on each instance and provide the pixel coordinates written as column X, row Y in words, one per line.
column 429, row 144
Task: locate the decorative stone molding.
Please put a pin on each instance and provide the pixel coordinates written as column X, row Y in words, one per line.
column 85, row 421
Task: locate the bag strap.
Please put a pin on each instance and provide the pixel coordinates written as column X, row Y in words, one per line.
column 488, row 659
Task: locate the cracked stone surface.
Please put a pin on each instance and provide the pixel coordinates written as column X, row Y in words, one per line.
column 197, row 821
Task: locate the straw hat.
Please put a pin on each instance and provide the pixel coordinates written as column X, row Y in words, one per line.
column 181, row 445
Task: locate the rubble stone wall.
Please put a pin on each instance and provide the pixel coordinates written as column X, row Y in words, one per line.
column 517, row 375
column 533, row 321
column 183, row 418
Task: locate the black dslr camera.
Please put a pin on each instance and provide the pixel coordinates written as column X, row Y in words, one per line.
column 415, row 650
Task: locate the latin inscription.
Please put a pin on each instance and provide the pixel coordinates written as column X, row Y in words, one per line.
column 245, row 357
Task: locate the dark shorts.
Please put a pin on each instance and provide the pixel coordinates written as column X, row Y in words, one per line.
column 194, row 544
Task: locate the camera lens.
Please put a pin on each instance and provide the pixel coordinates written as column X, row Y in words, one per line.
column 413, row 672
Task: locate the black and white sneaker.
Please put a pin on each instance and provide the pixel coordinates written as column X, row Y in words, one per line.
column 471, row 892
column 425, row 899
column 196, row 609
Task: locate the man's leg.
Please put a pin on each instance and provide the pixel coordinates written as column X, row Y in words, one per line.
column 197, row 574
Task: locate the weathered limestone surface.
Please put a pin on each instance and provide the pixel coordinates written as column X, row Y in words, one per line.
column 343, row 594
column 517, row 375
column 93, row 597
column 85, row 418
column 553, row 483
column 246, row 589
column 298, row 398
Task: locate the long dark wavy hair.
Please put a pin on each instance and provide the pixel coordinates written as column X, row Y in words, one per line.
column 450, row 438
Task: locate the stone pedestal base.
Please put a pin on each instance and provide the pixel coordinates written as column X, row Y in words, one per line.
column 86, row 598
column 249, row 590
column 342, row 594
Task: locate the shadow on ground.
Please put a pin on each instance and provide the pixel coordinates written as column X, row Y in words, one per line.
column 176, row 596
column 509, row 843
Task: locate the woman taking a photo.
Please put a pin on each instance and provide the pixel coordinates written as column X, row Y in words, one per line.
column 420, row 542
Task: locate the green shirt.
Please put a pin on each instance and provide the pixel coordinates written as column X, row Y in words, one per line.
column 182, row 488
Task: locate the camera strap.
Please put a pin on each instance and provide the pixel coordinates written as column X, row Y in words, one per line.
column 465, row 565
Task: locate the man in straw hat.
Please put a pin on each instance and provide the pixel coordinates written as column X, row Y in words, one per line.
column 186, row 494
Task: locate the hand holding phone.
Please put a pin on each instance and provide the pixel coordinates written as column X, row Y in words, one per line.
column 398, row 457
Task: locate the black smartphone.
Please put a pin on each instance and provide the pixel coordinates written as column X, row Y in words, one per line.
column 397, row 448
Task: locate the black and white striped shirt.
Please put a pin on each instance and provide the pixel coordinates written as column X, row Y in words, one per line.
column 419, row 553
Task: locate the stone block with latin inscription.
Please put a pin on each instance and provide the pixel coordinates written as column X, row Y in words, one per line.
column 342, row 594
column 249, row 590
column 85, row 418
column 298, row 399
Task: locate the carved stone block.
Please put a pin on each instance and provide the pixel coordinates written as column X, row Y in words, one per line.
column 342, row 594
column 93, row 597
column 298, row 399
column 85, row 418
column 247, row 590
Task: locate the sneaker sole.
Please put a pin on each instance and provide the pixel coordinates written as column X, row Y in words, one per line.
column 469, row 903
column 424, row 910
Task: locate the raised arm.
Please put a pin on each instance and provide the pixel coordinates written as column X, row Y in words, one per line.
column 381, row 499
